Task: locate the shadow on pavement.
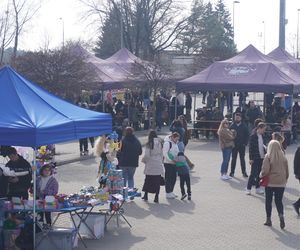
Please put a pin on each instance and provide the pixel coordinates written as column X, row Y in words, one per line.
column 114, row 239
column 132, row 209
column 288, row 238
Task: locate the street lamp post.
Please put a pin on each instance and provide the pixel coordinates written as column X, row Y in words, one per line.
column 233, row 4
column 297, row 45
column 264, row 23
column 63, row 31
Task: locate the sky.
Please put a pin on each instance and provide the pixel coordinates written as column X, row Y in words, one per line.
column 255, row 22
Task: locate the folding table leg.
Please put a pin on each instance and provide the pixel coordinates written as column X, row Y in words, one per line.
column 77, row 228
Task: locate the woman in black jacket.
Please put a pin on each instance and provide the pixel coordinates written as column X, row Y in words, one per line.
column 131, row 149
column 297, row 175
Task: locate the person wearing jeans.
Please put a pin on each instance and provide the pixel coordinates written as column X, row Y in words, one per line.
column 170, row 151
column 226, row 153
column 256, row 155
column 128, row 173
column 240, row 142
column 129, row 156
column 226, row 140
column 275, row 168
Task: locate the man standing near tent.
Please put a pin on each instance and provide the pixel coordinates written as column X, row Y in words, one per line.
column 240, row 142
column 18, row 186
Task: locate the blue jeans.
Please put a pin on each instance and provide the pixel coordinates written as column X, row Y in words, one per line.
column 226, row 158
column 128, row 173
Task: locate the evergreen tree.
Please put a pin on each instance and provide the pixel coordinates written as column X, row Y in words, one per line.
column 209, row 33
column 218, row 35
column 110, row 39
column 190, row 40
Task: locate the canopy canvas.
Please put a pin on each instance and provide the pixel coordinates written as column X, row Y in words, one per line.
column 108, row 75
column 31, row 116
column 250, row 71
column 131, row 63
column 281, row 55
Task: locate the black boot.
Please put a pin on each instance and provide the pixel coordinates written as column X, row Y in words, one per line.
column 268, row 222
column 296, row 206
column 282, row 223
column 156, row 198
column 145, row 197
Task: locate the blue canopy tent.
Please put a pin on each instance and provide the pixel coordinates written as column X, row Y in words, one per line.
column 31, row 116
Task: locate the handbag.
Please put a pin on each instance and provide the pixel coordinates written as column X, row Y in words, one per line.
column 264, row 181
column 162, row 181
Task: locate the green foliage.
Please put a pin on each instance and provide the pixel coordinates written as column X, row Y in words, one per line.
column 209, row 33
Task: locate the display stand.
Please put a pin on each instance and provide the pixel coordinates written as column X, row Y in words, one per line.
column 116, row 207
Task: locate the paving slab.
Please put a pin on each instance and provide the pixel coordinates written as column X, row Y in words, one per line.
column 220, row 215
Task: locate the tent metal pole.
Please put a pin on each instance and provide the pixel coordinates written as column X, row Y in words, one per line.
column 195, row 99
column 34, row 197
column 175, row 105
column 103, row 104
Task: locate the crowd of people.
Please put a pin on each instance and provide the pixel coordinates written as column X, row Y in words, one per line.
column 267, row 163
column 165, row 159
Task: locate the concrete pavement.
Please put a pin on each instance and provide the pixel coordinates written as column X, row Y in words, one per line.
column 220, row 215
column 69, row 152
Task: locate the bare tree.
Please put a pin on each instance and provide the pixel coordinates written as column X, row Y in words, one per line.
column 155, row 79
column 61, row 71
column 23, row 13
column 6, row 32
column 148, row 26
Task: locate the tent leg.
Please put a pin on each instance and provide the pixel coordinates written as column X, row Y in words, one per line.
column 34, row 198
column 103, row 105
column 175, row 106
column 195, row 99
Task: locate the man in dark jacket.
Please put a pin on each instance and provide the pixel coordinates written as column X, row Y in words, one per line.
column 297, row 175
column 129, row 156
column 3, row 185
column 256, row 154
column 18, row 186
column 188, row 106
column 240, row 142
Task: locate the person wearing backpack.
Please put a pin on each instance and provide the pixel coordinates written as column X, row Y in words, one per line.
column 170, row 151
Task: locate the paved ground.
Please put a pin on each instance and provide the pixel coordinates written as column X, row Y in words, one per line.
column 220, row 215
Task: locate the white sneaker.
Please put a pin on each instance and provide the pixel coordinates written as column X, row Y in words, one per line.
column 228, row 177
column 175, row 195
column 225, row 177
column 248, row 191
column 170, row 196
column 259, row 191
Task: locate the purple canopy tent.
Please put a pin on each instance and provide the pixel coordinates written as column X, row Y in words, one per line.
column 249, row 71
column 131, row 63
column 281, row 55
column 108, row 75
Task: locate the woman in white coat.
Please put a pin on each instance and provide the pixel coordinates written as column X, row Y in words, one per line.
column 154, row 169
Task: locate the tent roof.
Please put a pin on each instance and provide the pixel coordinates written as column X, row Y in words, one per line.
column 253, row 77
column 124, row 56
column 250, row 70
column 31, row 116
column 283, row 56
column 108, row 75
